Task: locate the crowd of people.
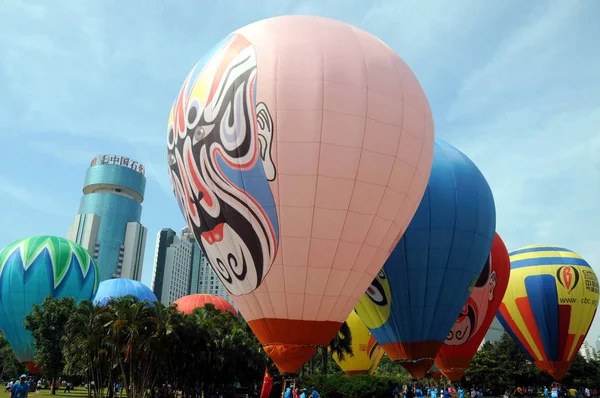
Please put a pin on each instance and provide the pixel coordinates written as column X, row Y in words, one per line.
column 296, row 392
column 556, row 390
column 419, row 391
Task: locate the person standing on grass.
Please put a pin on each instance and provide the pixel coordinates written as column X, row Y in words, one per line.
column 20, row 389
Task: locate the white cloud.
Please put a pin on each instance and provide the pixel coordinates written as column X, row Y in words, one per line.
column 523, row 70
column 536, row 150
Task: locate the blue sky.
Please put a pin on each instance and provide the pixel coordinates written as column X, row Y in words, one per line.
column 513, row 84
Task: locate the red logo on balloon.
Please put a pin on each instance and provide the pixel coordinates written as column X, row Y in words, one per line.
column 568, row 277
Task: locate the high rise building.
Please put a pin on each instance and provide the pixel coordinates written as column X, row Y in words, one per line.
column 196, row 260
column 164, row 240
column 180, row 268
column 108, row 222
column 176, row 268
column 597, row 344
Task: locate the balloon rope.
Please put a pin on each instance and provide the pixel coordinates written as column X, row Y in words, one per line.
column 292, row 345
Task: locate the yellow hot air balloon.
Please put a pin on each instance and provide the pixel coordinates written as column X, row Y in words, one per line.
column 366, row 350
column 549, row 305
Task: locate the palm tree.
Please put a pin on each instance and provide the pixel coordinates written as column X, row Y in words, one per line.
column 341, row 345
column 86, row 347
column 135, row 327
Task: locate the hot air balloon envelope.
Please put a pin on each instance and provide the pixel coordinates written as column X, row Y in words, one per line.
column 187, row 304
column 32, row 269
column 477, row 314
column 412, row 304
column 299, row 148
column 366, row 352
column 435, row 373
column 121, row 287
column 549, row 305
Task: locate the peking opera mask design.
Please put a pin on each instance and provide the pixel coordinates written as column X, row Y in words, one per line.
column 473, row 313
column 219, row 138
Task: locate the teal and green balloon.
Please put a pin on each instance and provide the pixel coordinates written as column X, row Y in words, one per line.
column 32, row 269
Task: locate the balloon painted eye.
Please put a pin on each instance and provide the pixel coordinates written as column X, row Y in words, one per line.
column 170, row 136
column 201, row 132
column 381, row 274
column 171, row 159
column 485, row 273
column 376, row 293
column 193, row 114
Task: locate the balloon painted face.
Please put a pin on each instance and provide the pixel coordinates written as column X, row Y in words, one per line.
column 372, row 347
column 473, row 312
column 374, row 307
column 219, row 152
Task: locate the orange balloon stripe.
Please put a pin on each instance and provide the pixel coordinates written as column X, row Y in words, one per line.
column 418, row 369
column 582, row 337
column 527, row 314
column 401, row 351
column 579, row 343
column 564, row 318
column 291, row 342
column 513, row 327
column 569, row 347
column 289, row 358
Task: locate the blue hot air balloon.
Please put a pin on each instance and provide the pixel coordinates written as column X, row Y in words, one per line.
column 32, row 269
column 121, row 287
column 415, row 299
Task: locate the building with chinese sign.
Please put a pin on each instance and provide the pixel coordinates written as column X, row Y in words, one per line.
column 108, row 222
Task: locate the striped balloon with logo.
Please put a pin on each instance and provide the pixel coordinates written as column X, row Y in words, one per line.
column 549, row 305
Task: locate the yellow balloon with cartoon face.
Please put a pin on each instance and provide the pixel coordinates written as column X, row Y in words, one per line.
column 374, row 306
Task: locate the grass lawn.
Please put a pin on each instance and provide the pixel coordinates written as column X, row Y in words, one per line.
column 78, row 392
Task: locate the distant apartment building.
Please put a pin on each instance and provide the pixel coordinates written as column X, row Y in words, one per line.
column 196, row 259
column 587, row 351
column 164, row 240
column 180, row 268
column 108, row 221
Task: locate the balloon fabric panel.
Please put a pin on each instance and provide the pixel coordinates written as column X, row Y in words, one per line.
column 187, row 304
column 412, row 304
column 32, row 269
column 299, row 149
column 478, row 313
column 550, row 304
column 121, row 287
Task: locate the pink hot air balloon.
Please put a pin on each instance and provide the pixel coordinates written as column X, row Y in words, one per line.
column 299, row 149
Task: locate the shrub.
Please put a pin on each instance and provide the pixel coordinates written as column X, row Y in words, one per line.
column 339, row 385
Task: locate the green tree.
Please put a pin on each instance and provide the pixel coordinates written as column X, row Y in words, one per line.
column 10, row 367
column 86, row 347
column 135, row 336
column 341, row 345
column 145, row 344
column 47, row 323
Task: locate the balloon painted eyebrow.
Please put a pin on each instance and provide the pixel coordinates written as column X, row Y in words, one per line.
column 234, row 67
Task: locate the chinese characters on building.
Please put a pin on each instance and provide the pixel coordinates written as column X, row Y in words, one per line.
column 120, row 161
